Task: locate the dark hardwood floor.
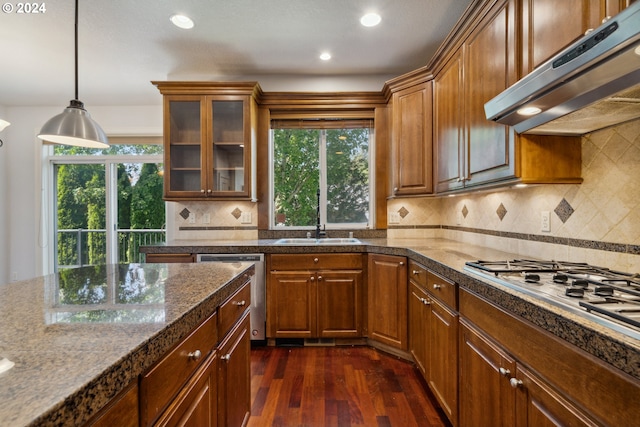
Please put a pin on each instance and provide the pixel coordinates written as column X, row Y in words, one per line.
column 337, row 386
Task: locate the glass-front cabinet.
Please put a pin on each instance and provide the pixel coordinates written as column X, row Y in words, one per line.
column 208, row 140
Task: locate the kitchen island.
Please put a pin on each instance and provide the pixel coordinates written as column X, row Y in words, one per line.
column 80, row 337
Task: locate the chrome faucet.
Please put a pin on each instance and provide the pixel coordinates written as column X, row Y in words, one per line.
column 319, row 232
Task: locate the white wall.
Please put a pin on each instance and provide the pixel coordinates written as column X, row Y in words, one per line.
column 23, row 232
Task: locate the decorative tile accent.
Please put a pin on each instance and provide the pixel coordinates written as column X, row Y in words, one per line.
column 403, row 212
column 465, row 211
column 564, row 210
column 236, row 213
column 501, row 211
column 184, row 213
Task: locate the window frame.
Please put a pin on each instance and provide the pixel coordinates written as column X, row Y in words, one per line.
column 313, row 124
column 49, row 201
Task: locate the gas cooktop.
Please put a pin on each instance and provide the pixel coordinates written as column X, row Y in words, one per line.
column 610, row 298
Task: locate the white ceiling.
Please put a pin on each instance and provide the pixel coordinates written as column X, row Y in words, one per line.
column 125, row 44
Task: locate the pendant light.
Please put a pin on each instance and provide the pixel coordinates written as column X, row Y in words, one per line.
column 74, row 126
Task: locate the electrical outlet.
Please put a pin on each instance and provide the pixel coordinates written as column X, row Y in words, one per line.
column 545, row 221
column 206, row 218
column 459, row 218
column 192, row 218
column 394, row 218
column 245, row 218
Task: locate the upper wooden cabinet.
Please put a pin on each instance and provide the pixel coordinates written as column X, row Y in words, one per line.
column 548, row 26
column 471, row 151
column 209, row 135
column 412, row 140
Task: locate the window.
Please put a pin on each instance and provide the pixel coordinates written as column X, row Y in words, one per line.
column 106, row 203
column 329, row 156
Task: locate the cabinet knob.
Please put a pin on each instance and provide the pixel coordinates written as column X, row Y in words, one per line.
column 401, row 263
column 415, row 272
column 504, row 372
column 202, row 191
column 209, row 191
column 515, row 383
column 436, row 286
column 316, row 260
column 312, row 278
column 195, row 355
column 395, row 189
column 425, row 301
column 319, row 278
column 226, row 357
column 240, row 303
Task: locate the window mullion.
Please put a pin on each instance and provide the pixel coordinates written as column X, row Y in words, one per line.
column 323, row 177
column 111, row 219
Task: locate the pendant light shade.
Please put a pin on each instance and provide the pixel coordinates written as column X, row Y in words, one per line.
column 74, row 126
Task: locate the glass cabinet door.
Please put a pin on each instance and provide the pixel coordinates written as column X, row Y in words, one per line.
column 185, row 154
column 228, row 147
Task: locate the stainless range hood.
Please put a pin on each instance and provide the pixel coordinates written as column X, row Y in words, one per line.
column 592, row 84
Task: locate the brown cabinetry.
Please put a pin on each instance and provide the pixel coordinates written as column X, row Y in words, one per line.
column 513, row 373
column 170, row 258
column 412, row 140
column 471, row 151
column 209, row 132
column 314, row 296
column 387, row 296
column 433, row 334
column 121, row 411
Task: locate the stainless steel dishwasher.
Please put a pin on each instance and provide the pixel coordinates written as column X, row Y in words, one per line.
column 258, row 308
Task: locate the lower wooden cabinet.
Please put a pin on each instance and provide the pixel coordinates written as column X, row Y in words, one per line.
column 121, row 411
column 314, row 296
column 433, row 335
column 387, row 298
column 234, row 379
column 514, row 373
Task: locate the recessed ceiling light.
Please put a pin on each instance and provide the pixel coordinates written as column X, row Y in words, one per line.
column 325, row 56
column 370, row 19
column 182, row 21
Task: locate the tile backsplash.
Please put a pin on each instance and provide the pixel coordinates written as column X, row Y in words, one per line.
column 232, row 220
column 597, row 221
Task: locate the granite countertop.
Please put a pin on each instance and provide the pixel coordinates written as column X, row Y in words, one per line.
column 447, row 258
column 78, row 337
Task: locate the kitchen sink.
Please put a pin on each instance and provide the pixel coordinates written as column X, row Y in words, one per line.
column 324, row 241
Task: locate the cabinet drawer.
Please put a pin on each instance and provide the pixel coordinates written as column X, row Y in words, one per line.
column 232, row 309
column 316, row 261
column 165, row 379
column 442, row 289
column 418, row 273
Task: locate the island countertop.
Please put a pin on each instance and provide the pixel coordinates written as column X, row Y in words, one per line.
column 78, row 337
column 447, row 257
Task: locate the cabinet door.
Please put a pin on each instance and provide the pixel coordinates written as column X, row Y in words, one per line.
column 490, row 67
column 549, row 27
column 339, row 303
column 443, row 358
column 229, row 147
column 291, row 308
column 184, row 134
column 196, row 406
column 419, row 325
column 234, row 377
column 448, row 143
column 539, row 405
column 412, row 140
column 486, row 397
column 387, row 299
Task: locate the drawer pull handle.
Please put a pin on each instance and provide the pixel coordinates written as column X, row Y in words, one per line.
column 195, row 355
column 226, row 357
column 240, row 303
column 436, row 286
column 515, row 383
column 504, row 372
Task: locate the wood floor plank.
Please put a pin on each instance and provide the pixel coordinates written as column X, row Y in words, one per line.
column 337, row 386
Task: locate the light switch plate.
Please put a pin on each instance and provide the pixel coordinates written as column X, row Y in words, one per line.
column 192, row 218
column 206, row 218
column 394, row 218
column 245, row 218
column 545, row 221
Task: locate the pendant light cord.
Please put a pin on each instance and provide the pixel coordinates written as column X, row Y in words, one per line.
column 76, row 49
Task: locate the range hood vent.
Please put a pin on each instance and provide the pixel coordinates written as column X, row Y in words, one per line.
column 592, row 84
